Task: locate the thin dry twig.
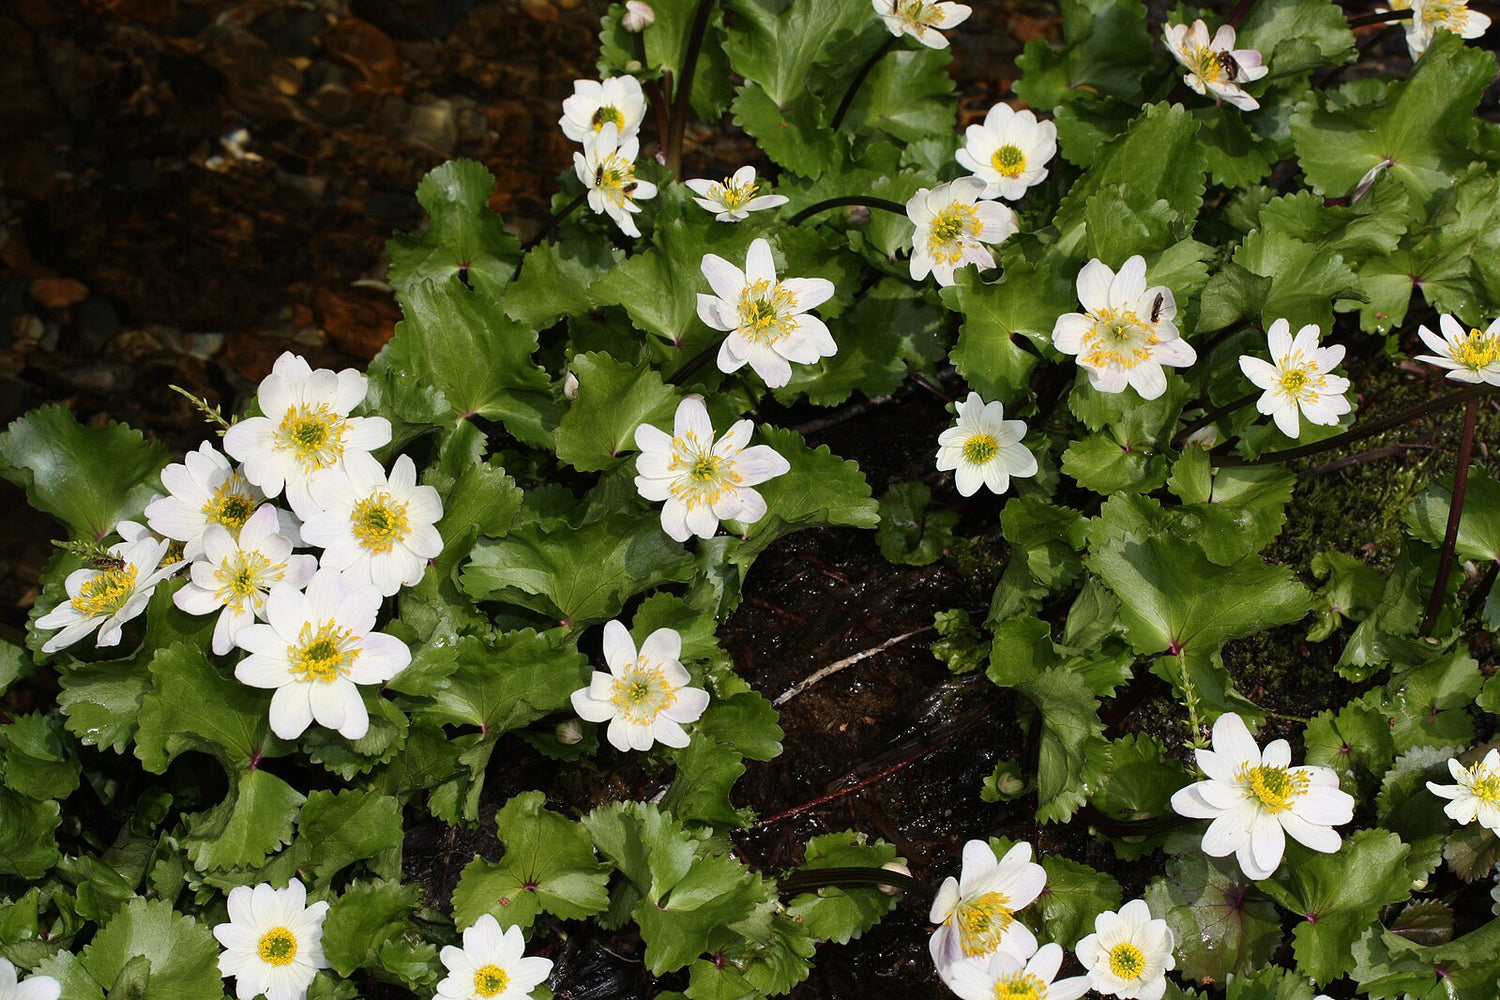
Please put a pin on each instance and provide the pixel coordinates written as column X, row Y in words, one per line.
column 845, row 663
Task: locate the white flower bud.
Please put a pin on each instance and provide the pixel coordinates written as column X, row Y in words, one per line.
column 899, row 869
column 570, row 386
column 569, row 732
column 638, row 16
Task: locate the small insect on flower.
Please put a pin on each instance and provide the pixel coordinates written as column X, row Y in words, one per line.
column 1297, row 380
column 976, row 912
column 1215, row 67
column 1469, row 356
column 618, row 101
column 1009, row 151
column 1129, row 954
column 953, row 225
column 733, row 198
column 1428, row 17
column 924, row 20
column 607, row 167
column 273, row 941
column 645, row 697
column 34, row 988
column 491, row 965
column 984, row 448
column 1476, row 794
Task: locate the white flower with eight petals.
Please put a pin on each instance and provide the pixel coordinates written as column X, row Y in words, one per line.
column 1009, row 151
column 618, row 101
column 984, row 447
column 372, row 529
column 273, row 941
column 703, row 482
column 1472, row 357
column 1004, row 976
column 607, row 168
column 34, row 988
column 924, row 20
column 107, row 597
column 1297, row 379
column 953, row 225
column 1477, row 794
column 491, row 965
column 645, row 697
column 733, row 198
column 1256, row 798
column 1128, row 954
column 768, row 322
column 1216, row 66
column 205, row 489
column 1126, row 333
column 976, row 912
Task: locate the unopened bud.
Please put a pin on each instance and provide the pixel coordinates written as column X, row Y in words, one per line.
column 570, row 386
column 569, row 732
column 899, row 869
column 859, row 217
column 638, row 16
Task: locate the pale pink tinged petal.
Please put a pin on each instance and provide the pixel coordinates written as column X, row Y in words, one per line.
column 230, row 621
column 798, row 349
column 1129, row 285
column 757, row 464
column 291, row 711
column 356, row 718
column 367, row 434
column 387, row 575
column 1148, row 379
column 196, row 599
column 673, row 670
column 663, row 645
column 810, row 292
column 1172, row 351
column 653, row 439
column 1232, row 740
column 734, row 439
column 261, row 640
column 329, row 706
column 816, row 333
column 759, row 264
column 980, row 863
column 1267, row 843
column 946, row 900
column 619, row 648
column 1069, row 330
column 710, row 313
column 1094, row 281
column 701, row 521
column 703, row 187
column 655, row 465
column 752, row 506
column 1108, row 379
column 1287, row 420
column 382, row 657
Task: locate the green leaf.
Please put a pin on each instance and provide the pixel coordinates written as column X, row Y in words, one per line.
column 508, row 683
column 783, row 46
column 1100, row 463
column 1025, row 303
column 820, row 490
column 182, row 953
column 706, row 774
column 557, row 280
column 1074, row 896
column 28, row 845
column 339, row 828
column 1430, row 704
column 1141, row 782
column 364, row 917
column 1478, row 525
column 1244, row 512
column 1105, row 44
column 746, row 722
column 908, row 535
column 1231, row 296
column 1073, row 749
column 961, row 646
column 89, row 478
column 614, row 398
column 908, row 96
column 464, row 240
column 842, row 913
column 1270, row 984
column 1356, row 740
column 483, row 498
column 39, row 759
column 548, row 867
column 1353, row 591
column 1294, row 36
column 1221, row 921
column 1305, row 279
column 192, row 706
column 254, row 820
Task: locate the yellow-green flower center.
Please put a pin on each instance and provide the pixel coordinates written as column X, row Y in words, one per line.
column 379, row 522
column 242, row 577
column 323, row 654
column 1478, row 350
column 702, row 476
column 1211, row 66
column 1293, row 380
column 231, row 505
column 766, row 312
column 733, row 195
column 983, row 921
column 278, row 946
column 1127, row 961
column 1485, row 784
column 980, row 448
column 954, row 227
column 489, row 980
column 606, row 115
column 106, row 592
column 1020, row 986
column 1009, row 161
column 918, row 14
column 1118, row 337
column 314, row 435
column 615, row 176
column 1276, row 787
column 642, row 694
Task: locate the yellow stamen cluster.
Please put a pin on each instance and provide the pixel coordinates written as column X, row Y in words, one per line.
column 241, row 577
column 733, row 195
column 1020, row 986
column 1484, row 783
column 1009, row 161
column 323, row 654
column 278, row 946
column 980, row 448
column 1127, row 961
column 1478, row 350
column 954, row 227
column 313, row 434
column 767, row 312
column 1209, row 65
column 982, row 921
column 1276, row 787
column 106, row 592
column 702, row 476
column 1119, row 337
column 489, row 980
column 615, row 176
column 918, row 14
column 231, row 504
column 642, row 694
column 379, row 522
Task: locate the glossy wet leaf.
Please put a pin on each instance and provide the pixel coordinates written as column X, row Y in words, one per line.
column 1220, row 919
column 463, row 240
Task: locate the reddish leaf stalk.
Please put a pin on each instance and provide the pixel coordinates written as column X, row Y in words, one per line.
column 1455, row 515
column 684, row 86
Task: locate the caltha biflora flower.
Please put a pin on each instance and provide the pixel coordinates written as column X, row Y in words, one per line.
column 1298, row 380
column 1004, row 976
column 984, row 448
column 313, row 651
column 306, row 428
column 976, row 912
column 1129, row 954
column 1472, row 356
column 1126, row 333
column 108, row 594
column 953, row 225
column 768, row 321
column 733, row 198
column 204, row 489
column 236, row 573
column 1477, row 794
column 618, row 101
column 491, row 965
column 1215, row 67
column 1009, row 151
column 372, row 529
column 703, row 482
column 645, row 697
column 1430, row 16
column 273, row 942
column 607, row 168
column 34, row 988
column 1256, row 799
column 923, row 20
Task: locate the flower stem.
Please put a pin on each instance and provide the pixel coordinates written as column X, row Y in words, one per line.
column 817, row 878
column 1358, row 434
column 1455, row 515
column 554, row 222
column 894, row 207
column 1216, row 414
column 684, row 86
column 1380, row 17
column 859, row 81
column 690, row 366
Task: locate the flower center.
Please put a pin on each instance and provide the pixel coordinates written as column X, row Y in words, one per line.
column 702, row 476
column 1453, row 16
column 766, row 312
column 379, row 522
column 607, row 114
column 1275, row 787
column 314, row 435
column 1211, row 66
column 1118, row 337
column 1020, row 986
column 242, row 577
column 979, row 449
column 231, row 505
column 278, row 946
column 489, row 980
column 642, row 694
column 732, row 195
column 918, row 14
column 1127, row 961
column 106, row 592
column 955, row 227
column 323, row 655
column 1293, row 381
column 1485, row 784
column 982, row 921
column 1009, row 161
column 615, row 176
column 1478, row 350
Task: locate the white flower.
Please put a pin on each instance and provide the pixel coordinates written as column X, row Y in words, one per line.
column 108, row 597
column 1297, row 380
column 984, row 447
column 235, row 573
column 617, row 101
column 1004, row 976
column 607, row 167
column 1256, row 799
column 923, row 20
column 1427, row 16
column 490, row 965
column 976, row 911
column 733, row 198
column 1477, row 794
column 1128, row 954
column 952, row 226
column 273, row 942
column 638, row 16
column 1215, row 67
column 644, row 698
column 768, row 323
column 1009, row 152
column 35, row 988
column 703, row 483
column 317, row 646
column 1469, row 357
column 306, row 428
column 203, row 490
column 1126, row 333
column 371, row 529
